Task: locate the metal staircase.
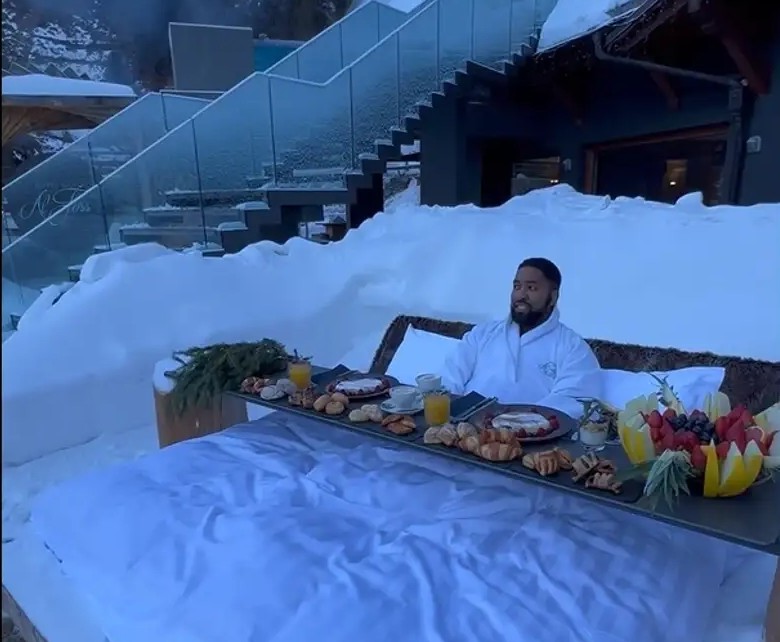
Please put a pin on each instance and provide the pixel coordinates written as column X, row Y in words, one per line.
column 268, row 154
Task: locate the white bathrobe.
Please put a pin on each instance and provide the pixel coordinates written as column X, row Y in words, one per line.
column 550, row 365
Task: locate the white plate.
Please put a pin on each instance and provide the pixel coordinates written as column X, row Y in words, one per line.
column 390, row 408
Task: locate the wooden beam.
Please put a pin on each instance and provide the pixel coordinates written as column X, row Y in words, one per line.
column 722, row 21
column 664, row 84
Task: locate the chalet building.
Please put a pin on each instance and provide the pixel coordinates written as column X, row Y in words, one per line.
column 683, row 97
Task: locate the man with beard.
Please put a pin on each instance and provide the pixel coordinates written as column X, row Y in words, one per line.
column 530, row 357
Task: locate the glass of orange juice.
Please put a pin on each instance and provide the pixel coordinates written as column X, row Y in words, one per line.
column 436, row 407
column 299, row 373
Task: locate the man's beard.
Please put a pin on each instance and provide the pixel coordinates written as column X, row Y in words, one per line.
column 531, row 318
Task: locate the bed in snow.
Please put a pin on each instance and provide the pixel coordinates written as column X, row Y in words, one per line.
column 282, row 529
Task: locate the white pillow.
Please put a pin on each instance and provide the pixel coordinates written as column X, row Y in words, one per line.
column 420, row 352
column 692, row 385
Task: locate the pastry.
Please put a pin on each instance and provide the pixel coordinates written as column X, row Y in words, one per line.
column 286, row 386
column 358, row 416
column 338, row 396
column 604, row 481
column 465, row 429
column 334, row 408
column 400, row 425
column 320, row 402
column 431, row 436
column 606, row 466
column 308, row 397
column 496, row 451
column 565, row 460
column 271, row 393
column 253, row 385
column 499, row 435
column 470, row 444
column 584, row 466
column 373, row 412
column 545, row 463
column 448, row 435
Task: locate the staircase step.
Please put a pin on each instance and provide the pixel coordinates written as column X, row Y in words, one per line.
column 401, row 136
column 300, row 196
column 212, row 215
column 173, row 237
column 486, row 74
column 102, row 249
column 195, row 198
column 15, row 318
column 74, row 272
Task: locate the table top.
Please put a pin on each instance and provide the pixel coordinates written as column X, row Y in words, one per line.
column 751, row 520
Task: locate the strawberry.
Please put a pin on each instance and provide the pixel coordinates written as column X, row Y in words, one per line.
column 698, row 458
column 736, row 431
column 764, row 449
column 654, row 419
column 521, row 433
column 554, row 423
column 666, row 428
column 721, row 427
column 669, row 413
column 667, row 441
column 736, row 412
column 696, row 414
column 754, row 434
column 769, row 439
column 722, row 449
column 747, row 418
column 655, row 433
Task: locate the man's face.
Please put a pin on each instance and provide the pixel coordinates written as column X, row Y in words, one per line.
column 533, row 297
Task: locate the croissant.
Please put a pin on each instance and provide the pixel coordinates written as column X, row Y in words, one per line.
column 495, row 451
column 470, row 444
column 401, row 426
column 584, row 466
column 498, row 435
column 465, row 429
column 545, row 463
column 564, row 458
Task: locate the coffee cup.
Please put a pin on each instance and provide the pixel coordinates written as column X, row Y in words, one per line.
column 428, row 382
column 403, row 397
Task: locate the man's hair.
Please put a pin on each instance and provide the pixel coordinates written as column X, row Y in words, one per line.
column 546, row 267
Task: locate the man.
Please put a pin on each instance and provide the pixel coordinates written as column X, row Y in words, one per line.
column 531, row 357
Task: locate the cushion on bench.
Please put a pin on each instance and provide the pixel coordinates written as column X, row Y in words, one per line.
column 750, row 381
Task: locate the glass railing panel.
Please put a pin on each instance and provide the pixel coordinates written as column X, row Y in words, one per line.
column 456, row 43
column 312, row 151
column 418, row 59
column 523, row 25
column 41, row 258
column 330, row 51
column 492, row 31
column 177, row 109
column 390, row 19
column 168, row 166
column 234, row 136
column 49, row 186
column 322, row 58
column 376, row 91
column 542, row 11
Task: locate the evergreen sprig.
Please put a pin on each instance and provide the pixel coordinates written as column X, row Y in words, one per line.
column 206, row 372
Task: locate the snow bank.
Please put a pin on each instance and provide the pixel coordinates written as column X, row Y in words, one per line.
column 43, row 85
column 634, row 271
column 570, row 19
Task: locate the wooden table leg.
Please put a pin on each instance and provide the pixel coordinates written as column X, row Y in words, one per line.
column 772, row 633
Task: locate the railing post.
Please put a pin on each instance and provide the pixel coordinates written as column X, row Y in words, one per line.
column 273, row 130
column 352, row 122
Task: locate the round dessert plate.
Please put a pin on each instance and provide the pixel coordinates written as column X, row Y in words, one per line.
column 391, row 409
column 565, row 423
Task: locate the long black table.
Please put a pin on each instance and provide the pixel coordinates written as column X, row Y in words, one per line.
column 751, row 520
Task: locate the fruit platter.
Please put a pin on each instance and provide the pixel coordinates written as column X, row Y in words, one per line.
column 717, row 451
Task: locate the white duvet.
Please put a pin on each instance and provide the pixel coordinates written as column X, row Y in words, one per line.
column 288, row 530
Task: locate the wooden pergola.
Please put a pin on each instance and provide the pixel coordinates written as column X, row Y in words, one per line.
column 28, row 114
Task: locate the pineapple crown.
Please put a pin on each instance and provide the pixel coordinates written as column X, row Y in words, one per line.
column 666, row 394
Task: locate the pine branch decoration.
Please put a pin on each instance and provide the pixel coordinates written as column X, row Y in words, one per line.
column 206, row 372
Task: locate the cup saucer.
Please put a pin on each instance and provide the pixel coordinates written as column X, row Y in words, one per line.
column 391, row 408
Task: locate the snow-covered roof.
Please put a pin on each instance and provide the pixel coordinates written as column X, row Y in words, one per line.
column 43, row 85
column 571, row 19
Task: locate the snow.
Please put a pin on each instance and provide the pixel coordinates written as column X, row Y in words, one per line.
column 573, row 18
column 43, row 85
column 95, row 356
